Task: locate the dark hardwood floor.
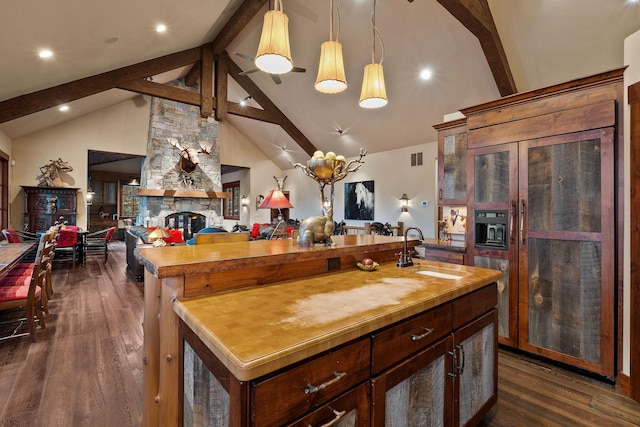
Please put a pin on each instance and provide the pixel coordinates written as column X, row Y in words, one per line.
column 86, row 367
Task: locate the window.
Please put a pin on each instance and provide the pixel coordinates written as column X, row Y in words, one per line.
column 130, row 202
column 231, row 206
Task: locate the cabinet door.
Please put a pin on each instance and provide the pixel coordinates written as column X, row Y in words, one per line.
column 452, row 171
column 349, row 410
column 476, row 382
column 493, row 183
column 567, row 249
column 418, row 392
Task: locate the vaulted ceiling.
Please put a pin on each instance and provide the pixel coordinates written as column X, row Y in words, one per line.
column 477, row 50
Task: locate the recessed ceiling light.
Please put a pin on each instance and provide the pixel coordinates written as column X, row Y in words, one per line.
column 64, row 108
column 425, row 74
column 45, row 53
column 161, row 28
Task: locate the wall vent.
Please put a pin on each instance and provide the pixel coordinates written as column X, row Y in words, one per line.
column 416, row 159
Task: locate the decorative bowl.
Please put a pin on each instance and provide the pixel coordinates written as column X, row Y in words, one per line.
column 371, row 267
column 322, row 168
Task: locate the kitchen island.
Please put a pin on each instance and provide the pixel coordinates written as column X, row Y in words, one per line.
column 259, row 339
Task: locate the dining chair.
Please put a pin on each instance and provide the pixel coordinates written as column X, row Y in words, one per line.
column 15, row 236
column 26, row 269
column 26, row 292
column 67, row 247
column 97, row 243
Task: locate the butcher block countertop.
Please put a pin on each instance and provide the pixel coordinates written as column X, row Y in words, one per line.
column 184, row 260
column 258, row 330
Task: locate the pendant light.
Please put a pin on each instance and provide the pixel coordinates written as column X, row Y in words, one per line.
column 331, row 77
column 274, row 52
column 374, row 94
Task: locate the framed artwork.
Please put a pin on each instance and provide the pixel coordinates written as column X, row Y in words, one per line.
column 359, row 200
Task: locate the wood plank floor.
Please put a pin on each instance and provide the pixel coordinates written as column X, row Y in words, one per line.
column 86, row 368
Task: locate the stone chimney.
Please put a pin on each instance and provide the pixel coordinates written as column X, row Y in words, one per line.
column 161, row 170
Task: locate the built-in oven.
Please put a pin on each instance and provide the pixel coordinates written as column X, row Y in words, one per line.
column 491, row 229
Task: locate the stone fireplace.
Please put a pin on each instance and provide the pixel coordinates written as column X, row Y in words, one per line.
column 161, row 177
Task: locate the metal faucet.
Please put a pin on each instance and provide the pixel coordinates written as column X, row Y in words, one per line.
column 405, row 257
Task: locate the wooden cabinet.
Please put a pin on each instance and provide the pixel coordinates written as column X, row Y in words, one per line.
column 452, row 158
column 547, row 163
column 438, row 367
column 451, row 382
column 44, row 205
column 286, row 396
column 103, row 211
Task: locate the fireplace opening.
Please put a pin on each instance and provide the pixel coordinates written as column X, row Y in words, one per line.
column 189, row 222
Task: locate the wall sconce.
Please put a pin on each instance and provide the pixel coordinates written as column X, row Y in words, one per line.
column 259, row 200
column 244, row 201
column 404, row 202
column 89, row 196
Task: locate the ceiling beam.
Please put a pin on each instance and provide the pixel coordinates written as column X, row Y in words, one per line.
column 230, row 31
column 30, row 103
column 263, row 100
column 160, row 90
column 476, row 16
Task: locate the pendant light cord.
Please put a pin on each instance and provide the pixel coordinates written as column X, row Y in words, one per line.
column 331, row 21
column 376, row 33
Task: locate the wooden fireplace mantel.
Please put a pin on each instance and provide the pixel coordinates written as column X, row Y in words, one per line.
column 196, row 194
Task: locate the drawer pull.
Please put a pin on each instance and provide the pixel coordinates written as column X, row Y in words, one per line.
column 314, row 389
column 428, row 331
column 338, row 415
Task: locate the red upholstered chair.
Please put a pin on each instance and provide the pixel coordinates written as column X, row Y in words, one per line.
column 67, row 246
column 26, row 292
column 97, row 243
column 15, row 236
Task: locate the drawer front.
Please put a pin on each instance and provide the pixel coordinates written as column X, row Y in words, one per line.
column 350, row 409
column 292, row 393
column 470, row 306
column 394, row 344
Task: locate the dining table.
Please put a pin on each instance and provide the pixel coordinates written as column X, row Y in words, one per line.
column 12, row 253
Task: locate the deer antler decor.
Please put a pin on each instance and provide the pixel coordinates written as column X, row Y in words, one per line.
column 189, row 156
column 329, row 169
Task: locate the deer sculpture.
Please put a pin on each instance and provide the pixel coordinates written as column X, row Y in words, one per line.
column 317, row 229
column 50, row 174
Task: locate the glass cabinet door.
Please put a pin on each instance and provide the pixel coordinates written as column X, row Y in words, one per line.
column 452, row 166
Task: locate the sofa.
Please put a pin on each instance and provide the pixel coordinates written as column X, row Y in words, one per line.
column 133, row 236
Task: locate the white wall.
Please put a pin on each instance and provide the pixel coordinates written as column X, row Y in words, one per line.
column 392, row 174
column 631, row 76
column 237, row 150
column 5, row 143
column 121, row 128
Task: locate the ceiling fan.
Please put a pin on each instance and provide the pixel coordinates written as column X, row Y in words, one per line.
column 284, row 148
column 275, row 77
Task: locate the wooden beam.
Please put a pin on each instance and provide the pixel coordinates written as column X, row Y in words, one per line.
column 238, row 21
column 261, row 98
column 206, row 82
column 222, row 79
column 24, row 105
column 230, row 31
column 162, row 91
column 476, row 16
column 252, row 113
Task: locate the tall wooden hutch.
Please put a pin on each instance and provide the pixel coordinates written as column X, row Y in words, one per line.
column 44, row 205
